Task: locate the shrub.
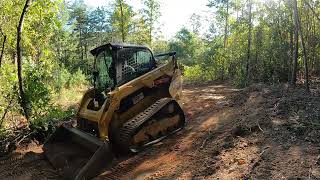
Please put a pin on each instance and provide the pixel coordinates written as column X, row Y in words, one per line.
column 46, row 124
column 37, row 88
column 8, row 88
column 76, row 79
column 196, row 73
column 61, row 79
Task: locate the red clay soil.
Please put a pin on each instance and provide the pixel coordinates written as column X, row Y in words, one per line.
column 260, row 132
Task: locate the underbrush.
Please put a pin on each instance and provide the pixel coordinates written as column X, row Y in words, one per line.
column 196, row 74
column 52, row 95
column 206, row 72
column 46, row 125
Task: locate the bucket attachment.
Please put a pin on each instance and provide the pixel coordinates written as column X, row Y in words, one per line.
column 77, row 154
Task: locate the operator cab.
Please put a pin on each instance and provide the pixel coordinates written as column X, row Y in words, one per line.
column 117, row 64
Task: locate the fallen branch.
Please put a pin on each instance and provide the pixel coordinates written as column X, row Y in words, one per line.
column 264, row 150
column 257, row 162
column 203, row 143
column 210, row 136
column 23, row 138
column 260, row 127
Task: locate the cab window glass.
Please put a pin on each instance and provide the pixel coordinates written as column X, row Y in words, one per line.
column 103, row 64
column 133, row 63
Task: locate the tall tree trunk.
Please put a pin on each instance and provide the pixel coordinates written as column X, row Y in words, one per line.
column 259, row 42
column 2, row 49
column 290, row 53
column 80, row 43
column 295, row 57
column 151, row 29
column 65, row 57
column 249, row 42
column 23, row 99
column 86, row 45
column 85, row 50
column 291, row 45
column 304, row 52
column 314, row 46
column 150, row 37
column 225, row 41
column 122, row 22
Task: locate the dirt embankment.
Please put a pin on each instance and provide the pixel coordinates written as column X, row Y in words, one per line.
column 260, row 132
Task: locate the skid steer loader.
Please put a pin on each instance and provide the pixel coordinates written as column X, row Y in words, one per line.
column 134, row 104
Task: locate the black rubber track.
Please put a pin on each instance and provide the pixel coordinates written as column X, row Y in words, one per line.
column 131, row 127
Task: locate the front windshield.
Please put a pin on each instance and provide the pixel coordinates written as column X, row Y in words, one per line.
column 103, row 67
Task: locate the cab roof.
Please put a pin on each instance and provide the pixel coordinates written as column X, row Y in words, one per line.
column 116, row 46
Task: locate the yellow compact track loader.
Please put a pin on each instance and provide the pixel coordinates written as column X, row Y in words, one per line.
column 134, row 104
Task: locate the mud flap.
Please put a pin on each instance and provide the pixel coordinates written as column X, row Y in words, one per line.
column 76, row 154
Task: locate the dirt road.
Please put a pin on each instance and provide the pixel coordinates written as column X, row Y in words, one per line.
column 259, row 132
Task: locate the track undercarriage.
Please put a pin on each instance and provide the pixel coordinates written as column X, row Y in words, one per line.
column 152, row 125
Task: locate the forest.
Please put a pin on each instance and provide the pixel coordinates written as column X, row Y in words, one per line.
column 46, row 65
column 247, row 42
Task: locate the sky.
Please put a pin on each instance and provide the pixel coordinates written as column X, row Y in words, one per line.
column 174, row 13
